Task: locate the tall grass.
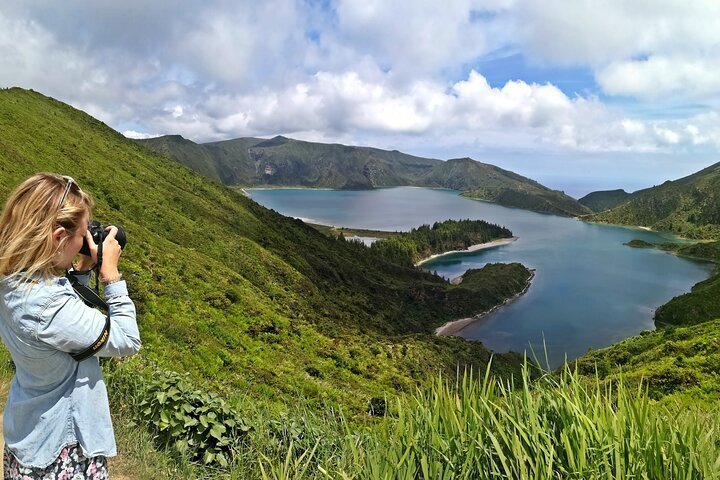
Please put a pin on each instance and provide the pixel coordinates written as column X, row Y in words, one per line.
column 562, row 426
column 542, row 426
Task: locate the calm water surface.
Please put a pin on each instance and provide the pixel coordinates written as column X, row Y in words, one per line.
column 589, row 291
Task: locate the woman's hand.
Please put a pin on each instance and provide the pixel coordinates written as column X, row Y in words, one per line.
column 110, row 255
column 88, row 262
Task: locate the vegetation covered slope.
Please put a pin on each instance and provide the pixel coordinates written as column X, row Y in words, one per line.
column 493, row 184
column 188, row 153
column 282, row 161
column 236, row 294
column 689, row 206
column 605, row 200
column 679, row 361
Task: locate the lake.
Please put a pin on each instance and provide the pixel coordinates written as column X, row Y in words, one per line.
column 589, row 290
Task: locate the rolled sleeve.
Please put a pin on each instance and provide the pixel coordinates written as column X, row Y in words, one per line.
column 124, row 335
column 82, row 278
column 69, row 325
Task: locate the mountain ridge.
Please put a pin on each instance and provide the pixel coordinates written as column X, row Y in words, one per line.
column 688, row 206
column 283, row 161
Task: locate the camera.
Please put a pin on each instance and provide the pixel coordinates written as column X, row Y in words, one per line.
column 99, row 234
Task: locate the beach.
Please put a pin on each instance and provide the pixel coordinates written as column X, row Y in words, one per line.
column 472, row 248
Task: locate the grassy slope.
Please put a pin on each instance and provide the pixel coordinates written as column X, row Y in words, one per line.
column 190, row 154
column 675, row 362
column 232, row 292
column 335, row 166
column 488, row 182
column 283, row 161
column 689, row 206
column 225, row 154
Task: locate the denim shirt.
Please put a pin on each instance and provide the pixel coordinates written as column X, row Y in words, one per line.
column 55, row 401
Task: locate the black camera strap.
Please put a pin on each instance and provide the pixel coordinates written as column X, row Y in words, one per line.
column 91, row 299
column 98, row 264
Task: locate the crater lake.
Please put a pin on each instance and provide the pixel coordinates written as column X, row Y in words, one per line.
column 589, row 289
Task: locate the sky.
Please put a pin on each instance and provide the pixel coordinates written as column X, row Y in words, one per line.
column 580, row 95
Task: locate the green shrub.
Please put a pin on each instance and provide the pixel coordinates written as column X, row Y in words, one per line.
column 198, row 425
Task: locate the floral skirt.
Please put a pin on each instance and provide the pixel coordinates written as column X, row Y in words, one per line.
column 70, row 465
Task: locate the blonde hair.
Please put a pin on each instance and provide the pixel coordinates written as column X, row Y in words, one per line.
column 32, row 212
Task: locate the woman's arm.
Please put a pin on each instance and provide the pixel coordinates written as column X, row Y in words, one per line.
column 68, row 325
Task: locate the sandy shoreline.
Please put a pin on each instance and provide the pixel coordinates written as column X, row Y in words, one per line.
column 281, row 187
column 455, row 326
column 246, row 190
column 472, row 248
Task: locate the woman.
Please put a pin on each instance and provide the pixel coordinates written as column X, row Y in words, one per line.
column 57, row 420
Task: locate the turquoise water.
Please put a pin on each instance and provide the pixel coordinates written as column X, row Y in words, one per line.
column 589, row 290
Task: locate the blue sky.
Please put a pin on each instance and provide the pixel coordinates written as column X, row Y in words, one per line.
column 579, row 95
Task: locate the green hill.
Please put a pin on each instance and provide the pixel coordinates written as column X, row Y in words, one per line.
column 236, row 294
column 188, row 153
column 282, row 161
column 604, row 200
column 689, row 206
column 493, row 184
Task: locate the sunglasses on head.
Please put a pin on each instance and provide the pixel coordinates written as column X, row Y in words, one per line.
column 70, row 183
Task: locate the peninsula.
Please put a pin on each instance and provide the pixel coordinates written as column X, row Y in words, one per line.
column 472, row 278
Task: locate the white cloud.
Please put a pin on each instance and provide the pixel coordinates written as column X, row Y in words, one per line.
column 412, row 37
column 659, row 76
column 245, row 45
column 29, row 57
column 650, row 49
column 596, row 33
column 175, row 111
column 392, row 74
column 138, row 135
column 469, row 113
